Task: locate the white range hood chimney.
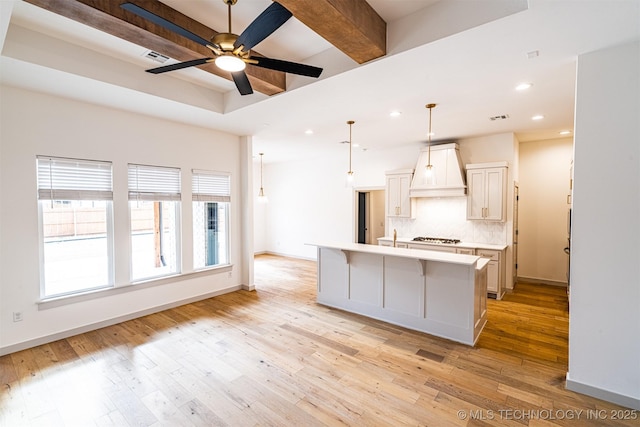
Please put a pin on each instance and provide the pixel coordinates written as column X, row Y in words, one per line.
column 449, row 175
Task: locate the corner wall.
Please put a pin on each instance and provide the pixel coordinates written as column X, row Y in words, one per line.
column 543, row 208
column 604, row 317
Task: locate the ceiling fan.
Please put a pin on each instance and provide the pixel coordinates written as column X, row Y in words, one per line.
column 233, row 52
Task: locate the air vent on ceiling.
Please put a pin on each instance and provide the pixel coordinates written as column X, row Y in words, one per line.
column 158, row 57
column 499, row 117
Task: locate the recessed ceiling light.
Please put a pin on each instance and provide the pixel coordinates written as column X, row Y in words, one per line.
column 395, row 113
column 524, row 86
column 565, row 132
column 537, row 117
column 356, row 145
column 308, row 132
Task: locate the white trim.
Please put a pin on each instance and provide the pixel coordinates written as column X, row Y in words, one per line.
column 599, row 393
column 87, row 328
column 59, row 301
column 533, row 280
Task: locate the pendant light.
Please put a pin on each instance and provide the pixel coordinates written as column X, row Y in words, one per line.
column 429, row 172
column 350, row 172
column 261, row 197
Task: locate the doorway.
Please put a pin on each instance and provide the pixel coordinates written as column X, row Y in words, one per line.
column 369, row 215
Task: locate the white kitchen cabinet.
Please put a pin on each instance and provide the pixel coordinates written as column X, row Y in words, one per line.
column 466, row 251
column 398, row 202
column 389, row 243
column 487, row 190
column 436, row 248
column 495, row 271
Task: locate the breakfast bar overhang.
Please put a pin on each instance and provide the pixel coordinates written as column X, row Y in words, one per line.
column 442, row 294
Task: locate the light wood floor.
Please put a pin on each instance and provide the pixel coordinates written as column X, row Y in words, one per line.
column 274, row 357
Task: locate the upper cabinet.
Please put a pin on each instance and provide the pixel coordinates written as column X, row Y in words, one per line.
column 399, row 205
column 487, row 190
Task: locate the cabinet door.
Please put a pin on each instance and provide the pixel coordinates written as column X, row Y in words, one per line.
column 486, row 192
column 404, row 181
column 466, row 251
column 494, row 197
column 393, row 196
column 398, row 200
column 492, row 277
column 475, row 198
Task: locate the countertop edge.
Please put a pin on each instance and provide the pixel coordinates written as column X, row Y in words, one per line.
column 419, row 254
column 468, row 245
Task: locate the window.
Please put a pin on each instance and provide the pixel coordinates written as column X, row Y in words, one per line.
column 75, row 215
column 154, row 207
column 211, row 199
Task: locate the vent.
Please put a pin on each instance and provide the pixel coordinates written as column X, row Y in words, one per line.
column 158, row 57
column 499, row 117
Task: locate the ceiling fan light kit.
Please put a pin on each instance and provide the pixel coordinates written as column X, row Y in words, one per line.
column 230, row 63
column 232, row 52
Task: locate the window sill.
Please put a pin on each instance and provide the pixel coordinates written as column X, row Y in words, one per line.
column 60, row 301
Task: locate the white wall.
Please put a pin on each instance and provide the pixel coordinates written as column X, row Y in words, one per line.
column 544, row 187
column 32, row 124
column 309, row 201
column 604, row 322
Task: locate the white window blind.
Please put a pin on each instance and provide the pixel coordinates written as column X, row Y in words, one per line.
column 154, row 183
column 209, row 186
column 73, row 179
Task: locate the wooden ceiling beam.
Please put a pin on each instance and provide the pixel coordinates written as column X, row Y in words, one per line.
column 109, row 17
column 352, row 26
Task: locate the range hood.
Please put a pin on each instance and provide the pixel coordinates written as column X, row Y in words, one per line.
column 447, row 169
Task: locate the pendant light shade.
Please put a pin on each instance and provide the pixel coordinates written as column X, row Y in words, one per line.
column 429, row 172
column 261, row 196
column 350, row 172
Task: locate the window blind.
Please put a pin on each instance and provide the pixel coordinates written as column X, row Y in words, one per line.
column 154, row 183
column 73, row 179
column 209, row 186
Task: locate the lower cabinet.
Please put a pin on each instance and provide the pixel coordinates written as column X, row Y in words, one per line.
column 495, row 275
column 466, row 251
column 433, row 248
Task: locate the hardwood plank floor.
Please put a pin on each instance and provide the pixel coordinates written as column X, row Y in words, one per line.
column 275, row 357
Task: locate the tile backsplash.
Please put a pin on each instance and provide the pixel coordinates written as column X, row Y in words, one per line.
column 447, row 217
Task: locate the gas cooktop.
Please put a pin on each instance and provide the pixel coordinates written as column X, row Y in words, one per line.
column 438, row 240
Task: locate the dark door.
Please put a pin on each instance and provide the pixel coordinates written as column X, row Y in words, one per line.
column 362, row 217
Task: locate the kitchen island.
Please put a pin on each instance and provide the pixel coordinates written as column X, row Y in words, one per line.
column 442, row 294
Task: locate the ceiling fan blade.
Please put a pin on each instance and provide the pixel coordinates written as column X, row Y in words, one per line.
column 134, row 8
column 242, row 82
column 287, row 67
column 179, row 66
column 266, row 23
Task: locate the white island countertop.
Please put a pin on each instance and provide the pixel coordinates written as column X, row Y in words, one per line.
column 401, row 252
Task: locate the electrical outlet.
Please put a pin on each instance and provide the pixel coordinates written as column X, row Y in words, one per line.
column 230, row 274
column 17, row 316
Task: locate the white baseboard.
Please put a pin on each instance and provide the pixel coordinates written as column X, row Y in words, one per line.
column 533, row 280
column 288, row 255
column 93, row 326
column 609, row 396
